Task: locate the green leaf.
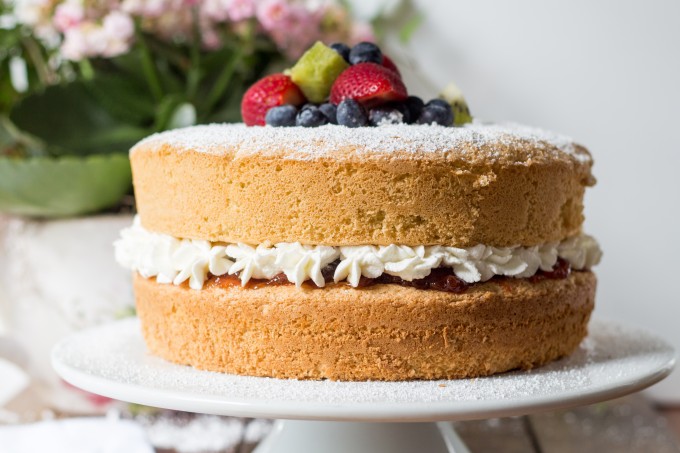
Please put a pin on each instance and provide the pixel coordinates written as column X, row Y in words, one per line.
column 8, row 95
column 165, row 110
column 124, row 97
column 65, row 186
column 9, row 38
column 220, row 85
column 70, row 121
column 129, row 63
column 410, row 27
column 229, row 110
column 13, row 141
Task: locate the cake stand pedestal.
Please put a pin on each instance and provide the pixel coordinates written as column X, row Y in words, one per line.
column 362, row 417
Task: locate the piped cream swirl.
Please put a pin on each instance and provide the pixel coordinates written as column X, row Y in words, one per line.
column 173, row 260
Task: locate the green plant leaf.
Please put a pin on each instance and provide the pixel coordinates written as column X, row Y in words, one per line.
column 229, row 110
column 70, row 121
column 169, row 58
column 124, row 97
column 9, row 37
column 15, row 142
column 166, row 109
column 410, row 27
column 8, row 95
column 65, row 186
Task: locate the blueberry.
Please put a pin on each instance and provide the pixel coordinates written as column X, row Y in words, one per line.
column 330, row 111
column 310, row 116
column 405, row 112
column 415, row 106
column 436, row 112
column 365, row 52
column 385, row 114
column 341, row 48
column 352, row 114
column 283, row 115
column 440, row 102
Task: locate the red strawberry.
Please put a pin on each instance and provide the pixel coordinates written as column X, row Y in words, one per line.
column 389, row 64
column 368, row 83
column 271, row 91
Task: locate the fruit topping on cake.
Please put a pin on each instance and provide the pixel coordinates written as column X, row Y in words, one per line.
column 389, row 64
column 348, row 86
column 461, row 111
column 352, row 114
column 311, row 116
column 272, row 91
column 369, row 83
column 365, row 52
column 316, row 70
column 342, row 49
column 282, row 115
column 436, row 111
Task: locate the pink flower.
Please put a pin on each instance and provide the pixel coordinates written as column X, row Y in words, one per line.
column 239, row 10
column 85, row 40
column 88, row 39
column 37, row 14
column 119, row 29
column 211, row 40
column 73, row 46
column 119, row 25
column 146, row 8
column 68, row 15
column 233, row 10
column 32, row 12
column 272, row 13
column 293, row 27
column 92, row 30
column 215, row 9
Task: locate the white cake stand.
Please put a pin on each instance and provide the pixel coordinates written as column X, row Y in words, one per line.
column 332, row 416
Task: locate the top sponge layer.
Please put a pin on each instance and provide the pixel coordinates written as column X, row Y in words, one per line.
column 498, row 185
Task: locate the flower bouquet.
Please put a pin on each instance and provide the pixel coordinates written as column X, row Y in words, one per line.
column 83, row 80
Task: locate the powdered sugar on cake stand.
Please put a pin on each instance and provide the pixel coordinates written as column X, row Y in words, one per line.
column 113, row 361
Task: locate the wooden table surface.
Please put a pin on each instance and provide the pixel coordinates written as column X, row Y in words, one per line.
column 629, row 424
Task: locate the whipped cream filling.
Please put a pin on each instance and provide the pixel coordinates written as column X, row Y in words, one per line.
column 173, row 260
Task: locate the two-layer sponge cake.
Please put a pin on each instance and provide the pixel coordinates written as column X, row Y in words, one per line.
column 389, row 253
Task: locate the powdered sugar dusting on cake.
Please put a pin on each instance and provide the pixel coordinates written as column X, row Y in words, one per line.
column 116, row 353
column 302, row 143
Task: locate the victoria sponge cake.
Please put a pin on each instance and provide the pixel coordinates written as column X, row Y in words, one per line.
column 389, row 253
column 350, row 231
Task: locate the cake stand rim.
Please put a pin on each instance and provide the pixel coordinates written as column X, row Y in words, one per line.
column 377, row 412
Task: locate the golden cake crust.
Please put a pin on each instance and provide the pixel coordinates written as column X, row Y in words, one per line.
column 384, row 332
column 411, row 185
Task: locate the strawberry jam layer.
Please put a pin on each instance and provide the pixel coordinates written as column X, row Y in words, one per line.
column 440, row 279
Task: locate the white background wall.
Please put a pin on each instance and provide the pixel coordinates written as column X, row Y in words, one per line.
column 607, row 73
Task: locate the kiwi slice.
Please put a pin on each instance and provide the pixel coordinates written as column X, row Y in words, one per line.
column 316, row 70
column 461, row 112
